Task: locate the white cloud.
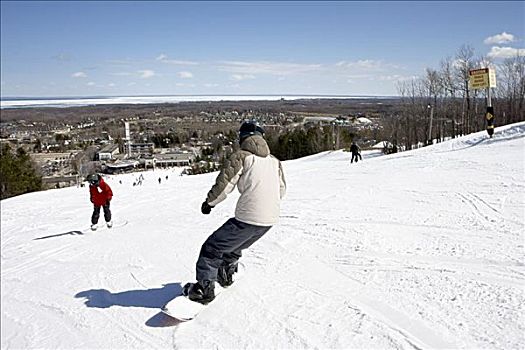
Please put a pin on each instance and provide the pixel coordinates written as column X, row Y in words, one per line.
column 79, row 75
column 375, row 77
column 147, row 73
column 185, row 75
column 91, row 84
column 395, row 77
column 500, row 39
column 211, row 85
column 239, row 77
column 165, row 59
column 504, row 52
column 359, row 76
column 376, row 65
column 273, row 68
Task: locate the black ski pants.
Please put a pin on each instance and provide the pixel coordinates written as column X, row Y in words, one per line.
column 356, row 155
column 224, row 247
column 96, row 213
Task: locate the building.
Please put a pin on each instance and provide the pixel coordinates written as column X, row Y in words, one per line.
column 142, row 148
column 49, row 182
column 319, row 120
column 147, row 161
column 63, row 158
column 55, row 163
column 120, row 167
column 174, row 159
column 108, row 152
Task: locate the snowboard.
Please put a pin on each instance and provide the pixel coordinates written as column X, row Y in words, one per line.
column 183, row 309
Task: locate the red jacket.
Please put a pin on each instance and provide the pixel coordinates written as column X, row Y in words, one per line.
column 100, row 198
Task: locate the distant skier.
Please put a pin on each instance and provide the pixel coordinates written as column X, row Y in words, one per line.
column 356, row 152
column 259, row 178
column 99, row 199
column 160, row 180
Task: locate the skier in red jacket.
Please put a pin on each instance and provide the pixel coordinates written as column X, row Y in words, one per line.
column 99, row 199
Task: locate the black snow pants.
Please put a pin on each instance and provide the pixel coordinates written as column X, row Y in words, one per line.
column 356, row 155
column 225, row 245
column 96, row 213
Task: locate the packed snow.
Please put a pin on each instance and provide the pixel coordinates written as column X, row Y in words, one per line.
column 416, row 250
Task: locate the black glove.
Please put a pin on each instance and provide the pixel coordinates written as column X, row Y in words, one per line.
column 206, row 208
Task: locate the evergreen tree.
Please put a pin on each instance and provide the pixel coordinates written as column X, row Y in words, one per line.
column 17, row 174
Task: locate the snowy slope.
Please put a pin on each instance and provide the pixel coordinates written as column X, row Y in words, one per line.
column 421, row 249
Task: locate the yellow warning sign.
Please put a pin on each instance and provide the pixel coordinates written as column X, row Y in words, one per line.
column 482, row 78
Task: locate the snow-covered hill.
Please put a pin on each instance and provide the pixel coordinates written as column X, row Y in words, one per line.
column 421, row 249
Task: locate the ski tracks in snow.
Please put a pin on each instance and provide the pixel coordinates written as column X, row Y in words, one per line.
column 394, row 292
column 396, row 328
column 481, row 208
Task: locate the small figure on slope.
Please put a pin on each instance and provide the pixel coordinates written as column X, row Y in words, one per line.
column 356, row 152
column 260, row 179
column 99, row 199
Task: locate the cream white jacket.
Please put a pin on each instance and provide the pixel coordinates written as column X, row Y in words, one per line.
column 259, row 178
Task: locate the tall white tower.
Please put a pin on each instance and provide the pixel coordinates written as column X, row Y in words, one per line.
column 128, row 138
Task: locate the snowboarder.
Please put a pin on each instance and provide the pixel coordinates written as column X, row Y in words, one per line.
column 259, row 178
column 99, row 199
column 356, row 152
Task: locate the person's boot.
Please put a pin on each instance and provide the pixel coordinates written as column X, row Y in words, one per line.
column 109, row 223
column 93, row 227
column 225, row 274
column 202, row 292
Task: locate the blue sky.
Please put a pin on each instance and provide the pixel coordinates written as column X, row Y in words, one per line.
column 71, row 48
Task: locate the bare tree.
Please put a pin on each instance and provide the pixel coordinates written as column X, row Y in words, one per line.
column 443, row 97
column 434, row 87
column 511, row 89
column 464, row 63
column 450, row 88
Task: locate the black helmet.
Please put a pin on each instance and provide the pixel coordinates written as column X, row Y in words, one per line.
column 249, row 128
column 93, row 179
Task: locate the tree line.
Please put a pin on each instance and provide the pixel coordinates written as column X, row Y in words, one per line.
column 285, row 145
column 441, row 104
column 301, row 142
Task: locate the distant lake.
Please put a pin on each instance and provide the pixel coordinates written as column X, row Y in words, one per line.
column 62, row 102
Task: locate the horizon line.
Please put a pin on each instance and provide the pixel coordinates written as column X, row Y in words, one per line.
column 7, row 98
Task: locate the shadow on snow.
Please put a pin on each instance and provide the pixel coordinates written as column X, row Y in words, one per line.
column 72, row 233
column 154, row 298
